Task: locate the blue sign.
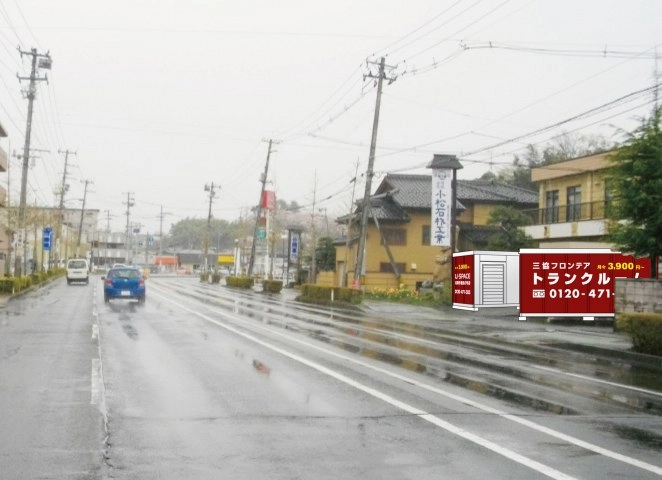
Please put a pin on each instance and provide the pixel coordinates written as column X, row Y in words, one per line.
column 47, row 238
column 294, row 246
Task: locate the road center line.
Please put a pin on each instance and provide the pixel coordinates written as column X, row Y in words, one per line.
column 516, row 457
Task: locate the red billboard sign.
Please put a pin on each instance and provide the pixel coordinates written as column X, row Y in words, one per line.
column 573, row 282
column 463, row 280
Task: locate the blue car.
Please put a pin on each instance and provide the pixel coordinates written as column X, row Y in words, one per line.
column 124, row 283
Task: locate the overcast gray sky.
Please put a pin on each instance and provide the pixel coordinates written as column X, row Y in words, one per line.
column 160, row 97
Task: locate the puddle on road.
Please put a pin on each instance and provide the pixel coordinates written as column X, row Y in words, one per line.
column 642, row 437
column 130, row 331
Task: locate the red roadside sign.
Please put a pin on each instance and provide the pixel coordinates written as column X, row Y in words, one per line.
column 574, row 282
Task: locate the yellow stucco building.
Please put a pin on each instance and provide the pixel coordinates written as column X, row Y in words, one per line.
column 573, row 202
column 398, row 250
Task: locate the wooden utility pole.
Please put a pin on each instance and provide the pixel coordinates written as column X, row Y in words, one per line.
column 358, row 269
column 212, row 191
column 44, row 62
column 313, row 263
column 63, row 190
column 251, row 262
column 129, row 203
column 349, row 224
column 82, row 216
column 161, row 229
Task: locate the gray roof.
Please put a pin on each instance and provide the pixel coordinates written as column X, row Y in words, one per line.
column 415, row 191
column 398, row 193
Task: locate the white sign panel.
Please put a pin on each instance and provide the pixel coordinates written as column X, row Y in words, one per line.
column 442, row 197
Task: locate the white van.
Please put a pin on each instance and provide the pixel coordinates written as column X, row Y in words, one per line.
column 78, row 270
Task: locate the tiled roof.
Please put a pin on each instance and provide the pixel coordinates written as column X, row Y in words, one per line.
column 415, row 191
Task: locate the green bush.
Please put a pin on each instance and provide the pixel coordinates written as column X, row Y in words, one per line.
column 439, row 296
column 272, row 286
column 239, row 282
column 327, row 295
column 7, row 285
column 204, row 277
column 215, row 277
column 645, row 329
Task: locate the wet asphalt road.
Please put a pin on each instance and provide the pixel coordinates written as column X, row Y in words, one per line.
column 204, row 382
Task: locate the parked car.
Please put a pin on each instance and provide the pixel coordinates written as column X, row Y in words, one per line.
column 124, row 283
column 78, row 270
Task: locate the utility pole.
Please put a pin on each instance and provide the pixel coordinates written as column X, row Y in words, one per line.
column 161, row 230
column 211, row 188
column 82, row 214
column 108, row 215
column 129, row 203
column 63, row 190
column 358, row 269
column 313, row 266
column 349, row 223
column 45, row 62
column 259, row 210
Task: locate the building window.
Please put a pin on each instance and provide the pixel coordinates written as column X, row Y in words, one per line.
column 426, row 235
column 394, row 236
column 574, row 211
column 386, row 267
column 552, row 206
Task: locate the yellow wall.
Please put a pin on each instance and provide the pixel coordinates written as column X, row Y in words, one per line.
column 476, row 214
column 588, row 172
column 414, row 252
column 592, row 187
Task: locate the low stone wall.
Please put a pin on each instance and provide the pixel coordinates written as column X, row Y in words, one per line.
column 638, row 295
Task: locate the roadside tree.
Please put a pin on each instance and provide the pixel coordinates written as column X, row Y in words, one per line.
column 635, row 179
column 510, row 237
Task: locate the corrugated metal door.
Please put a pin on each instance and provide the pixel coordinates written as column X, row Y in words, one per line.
column 493, row 283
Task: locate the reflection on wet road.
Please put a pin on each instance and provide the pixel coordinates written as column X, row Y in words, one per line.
column 203, row 379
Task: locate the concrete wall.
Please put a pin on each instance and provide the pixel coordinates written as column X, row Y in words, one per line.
column 638, row 295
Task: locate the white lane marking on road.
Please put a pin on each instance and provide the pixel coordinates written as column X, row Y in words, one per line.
column 95, row 387
column 527, row 423
column 95, row 331
column 516, row 457
column 583, row 377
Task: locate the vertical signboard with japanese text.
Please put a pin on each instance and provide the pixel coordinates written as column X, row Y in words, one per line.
column 442, row 198
column 573, row 282
column 294, row 246
column 463, row 281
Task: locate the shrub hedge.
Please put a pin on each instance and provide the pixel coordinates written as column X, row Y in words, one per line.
column 645, row 329
column 239, row 282
column 327, row 295
column 13, row 285
column 272, row 286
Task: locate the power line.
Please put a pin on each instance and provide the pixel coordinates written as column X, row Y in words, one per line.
column 600, row 108
column 386, row 48
column 604, row 53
